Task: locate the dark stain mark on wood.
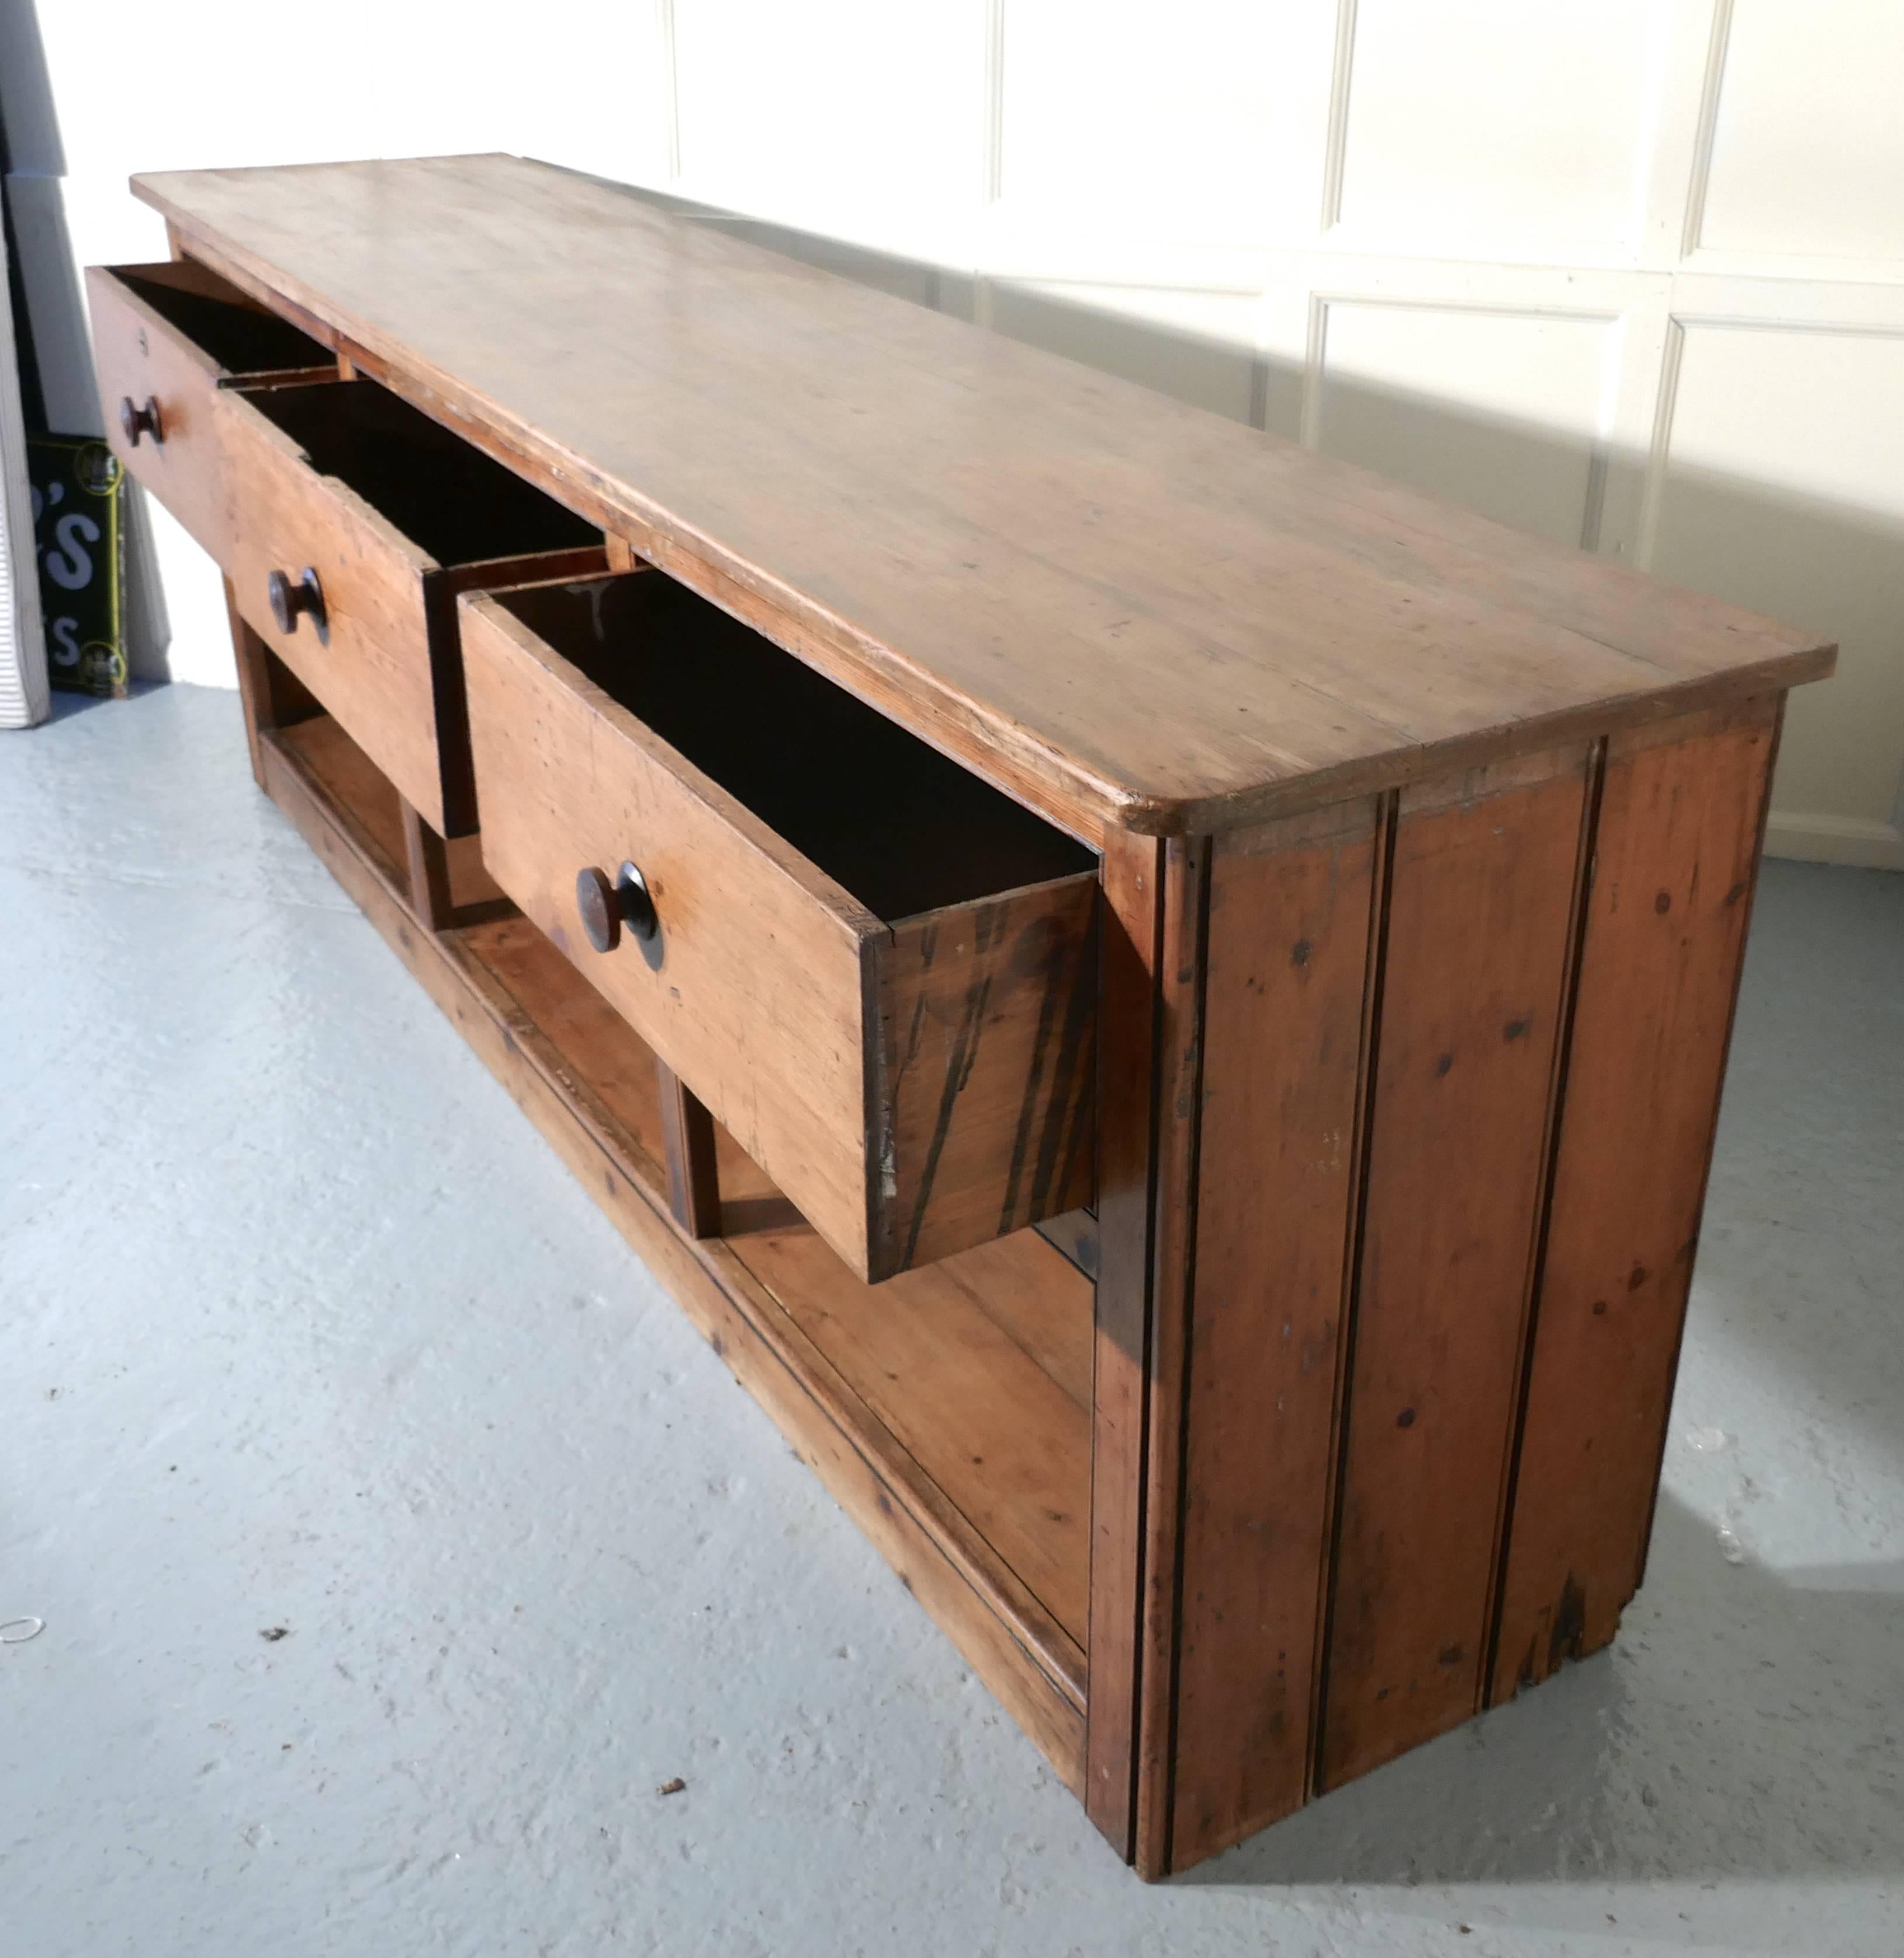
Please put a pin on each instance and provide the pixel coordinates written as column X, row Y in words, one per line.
column 1569, row 1625
column 1443, row 1066
column 1038, row 950
column 1299, row 952
column 1663, row 903
column 1034, row 1077
column 1516, row 1029
column 1405, row 1418
column 1067, row 1095
column 1637, row 1277
column 964, row 1052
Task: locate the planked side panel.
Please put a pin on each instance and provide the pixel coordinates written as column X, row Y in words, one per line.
column 1291, row 917
column 1481, row 909
column 1682, row 812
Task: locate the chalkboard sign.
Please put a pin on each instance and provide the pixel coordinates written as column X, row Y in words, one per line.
column 79, row 529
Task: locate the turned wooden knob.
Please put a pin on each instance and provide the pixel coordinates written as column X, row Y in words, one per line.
column 606, row 908
column 290, row 601
column 137, row 422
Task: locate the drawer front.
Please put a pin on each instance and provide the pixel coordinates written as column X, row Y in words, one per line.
column 914, row 1089
column 142, row 359
column 370, row 660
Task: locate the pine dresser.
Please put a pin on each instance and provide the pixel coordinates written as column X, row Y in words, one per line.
column 1160, row 1000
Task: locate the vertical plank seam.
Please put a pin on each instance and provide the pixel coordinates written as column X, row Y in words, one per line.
column 1583, row 878
column 1711, row 1134
column 1169, row 1224
column 1198, row 877
column 1160, row 881
column 1374, row 984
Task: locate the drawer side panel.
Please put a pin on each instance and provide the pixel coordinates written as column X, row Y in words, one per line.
column 983, row 1108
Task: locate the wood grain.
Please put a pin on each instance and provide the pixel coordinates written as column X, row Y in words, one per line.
column 1130, row 948
column 1010, row 1448
column 1481, row 910
column 1682, row 811
column 914, row 1088
column 1392, row 1101
column 1012, row 1642
column 908, row 496
column 359, row 798
column 142, row 355
column 386, row 664
column 984, row 1098
column 1291, row 919
column 372, row 668
column 1178, row 1078
column 693, row 1170
column 1016, row 1288
column 428, row 864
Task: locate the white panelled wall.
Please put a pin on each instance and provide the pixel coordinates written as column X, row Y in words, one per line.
column 1629, row 274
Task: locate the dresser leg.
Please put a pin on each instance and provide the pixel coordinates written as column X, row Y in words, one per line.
column 693, row 1176
column 428, row 864
column 254, row 682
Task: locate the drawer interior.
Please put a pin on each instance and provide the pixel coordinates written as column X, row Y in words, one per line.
column 902, row 827
column 212, row 313
column 445, row 496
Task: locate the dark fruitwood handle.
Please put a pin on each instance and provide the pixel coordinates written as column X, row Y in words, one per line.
column 606, row 908
column 137, row 422
column 288, row 600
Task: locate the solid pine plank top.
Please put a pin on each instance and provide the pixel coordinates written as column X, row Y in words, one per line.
column 1158, row 618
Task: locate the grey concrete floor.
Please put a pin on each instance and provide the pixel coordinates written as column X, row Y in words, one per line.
column 304, row 1327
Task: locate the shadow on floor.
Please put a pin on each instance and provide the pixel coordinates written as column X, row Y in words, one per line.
column 1664, row 1758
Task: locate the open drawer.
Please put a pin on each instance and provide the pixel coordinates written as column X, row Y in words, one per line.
column 875, row 971
column 356, row 521
column 169, row 337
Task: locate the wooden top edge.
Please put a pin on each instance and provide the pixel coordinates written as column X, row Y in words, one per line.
column 1282, row 720
column 1407, row 768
